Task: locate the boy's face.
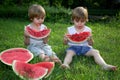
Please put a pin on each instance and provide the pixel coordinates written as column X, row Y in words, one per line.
column 79, row 23
column 38, row 20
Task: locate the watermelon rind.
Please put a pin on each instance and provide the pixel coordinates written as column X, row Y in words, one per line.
column 7, row 63
column 49, row 65
column 38, row 37
column 24, row 76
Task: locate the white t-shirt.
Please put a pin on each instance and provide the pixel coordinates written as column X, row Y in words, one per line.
column 72, row 30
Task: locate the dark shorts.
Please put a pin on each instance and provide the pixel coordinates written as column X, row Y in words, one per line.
column 80, row 50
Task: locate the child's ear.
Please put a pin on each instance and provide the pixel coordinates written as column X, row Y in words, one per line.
column 31, row 19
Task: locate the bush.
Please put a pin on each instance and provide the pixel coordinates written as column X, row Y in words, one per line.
column 53, row 14
column 13, row 12
column 57, row 14
column 102, row 12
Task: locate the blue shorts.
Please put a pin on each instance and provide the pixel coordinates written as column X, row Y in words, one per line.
column 80, row 50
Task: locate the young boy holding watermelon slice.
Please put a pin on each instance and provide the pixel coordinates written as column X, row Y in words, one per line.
column 36, row 35
column 79, row 40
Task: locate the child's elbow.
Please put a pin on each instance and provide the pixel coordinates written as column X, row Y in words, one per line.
column 65, row 42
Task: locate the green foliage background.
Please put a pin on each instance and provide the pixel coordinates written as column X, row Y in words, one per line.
column 66, row 3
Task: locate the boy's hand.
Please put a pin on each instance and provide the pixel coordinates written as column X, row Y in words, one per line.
column 90, row 41
column 65, row 39
column 45, row 40
column 26, row 34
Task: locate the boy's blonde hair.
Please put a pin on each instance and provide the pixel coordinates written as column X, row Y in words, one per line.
column 80, row 13
column 36, row 11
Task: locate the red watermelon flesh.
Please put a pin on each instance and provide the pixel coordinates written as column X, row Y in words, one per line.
column 37, row 34
column 78, row 37
column 20, row 54
column 28, row 71
column 48, row 65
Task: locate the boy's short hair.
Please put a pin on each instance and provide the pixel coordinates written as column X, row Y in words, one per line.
column 36, row 11
column 80, row 13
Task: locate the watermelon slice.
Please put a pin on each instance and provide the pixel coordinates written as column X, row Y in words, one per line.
column 78, row 37
column 20, row 54
column 28, row 71
column 48, row 65
column 37, row 34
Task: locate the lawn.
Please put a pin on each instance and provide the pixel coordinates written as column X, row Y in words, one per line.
column 106, row 37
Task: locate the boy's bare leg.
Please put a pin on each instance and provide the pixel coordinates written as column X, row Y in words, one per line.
column 99, row 60
column 68, row 59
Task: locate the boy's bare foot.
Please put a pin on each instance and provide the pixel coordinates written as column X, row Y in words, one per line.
column 57, row 60
column 65, row 66
column 110, row 67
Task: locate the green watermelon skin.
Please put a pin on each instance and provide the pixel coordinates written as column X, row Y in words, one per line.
column 21, row 54
column 49, row 65
column 37, row 34
column 28, row 71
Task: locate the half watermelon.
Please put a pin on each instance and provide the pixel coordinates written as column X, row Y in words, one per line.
column 21, row 54
column 78, row 37
column 28, row 71
column 48, row 65
column 37, row 34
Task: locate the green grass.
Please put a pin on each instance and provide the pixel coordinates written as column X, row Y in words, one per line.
column 105, row 34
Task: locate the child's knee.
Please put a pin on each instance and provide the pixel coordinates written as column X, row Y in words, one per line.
column 96, row 51
column 70, row 52
column 70, row 55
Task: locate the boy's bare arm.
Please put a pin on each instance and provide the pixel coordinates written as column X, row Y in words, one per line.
column 26, row 39
column 65, row 39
